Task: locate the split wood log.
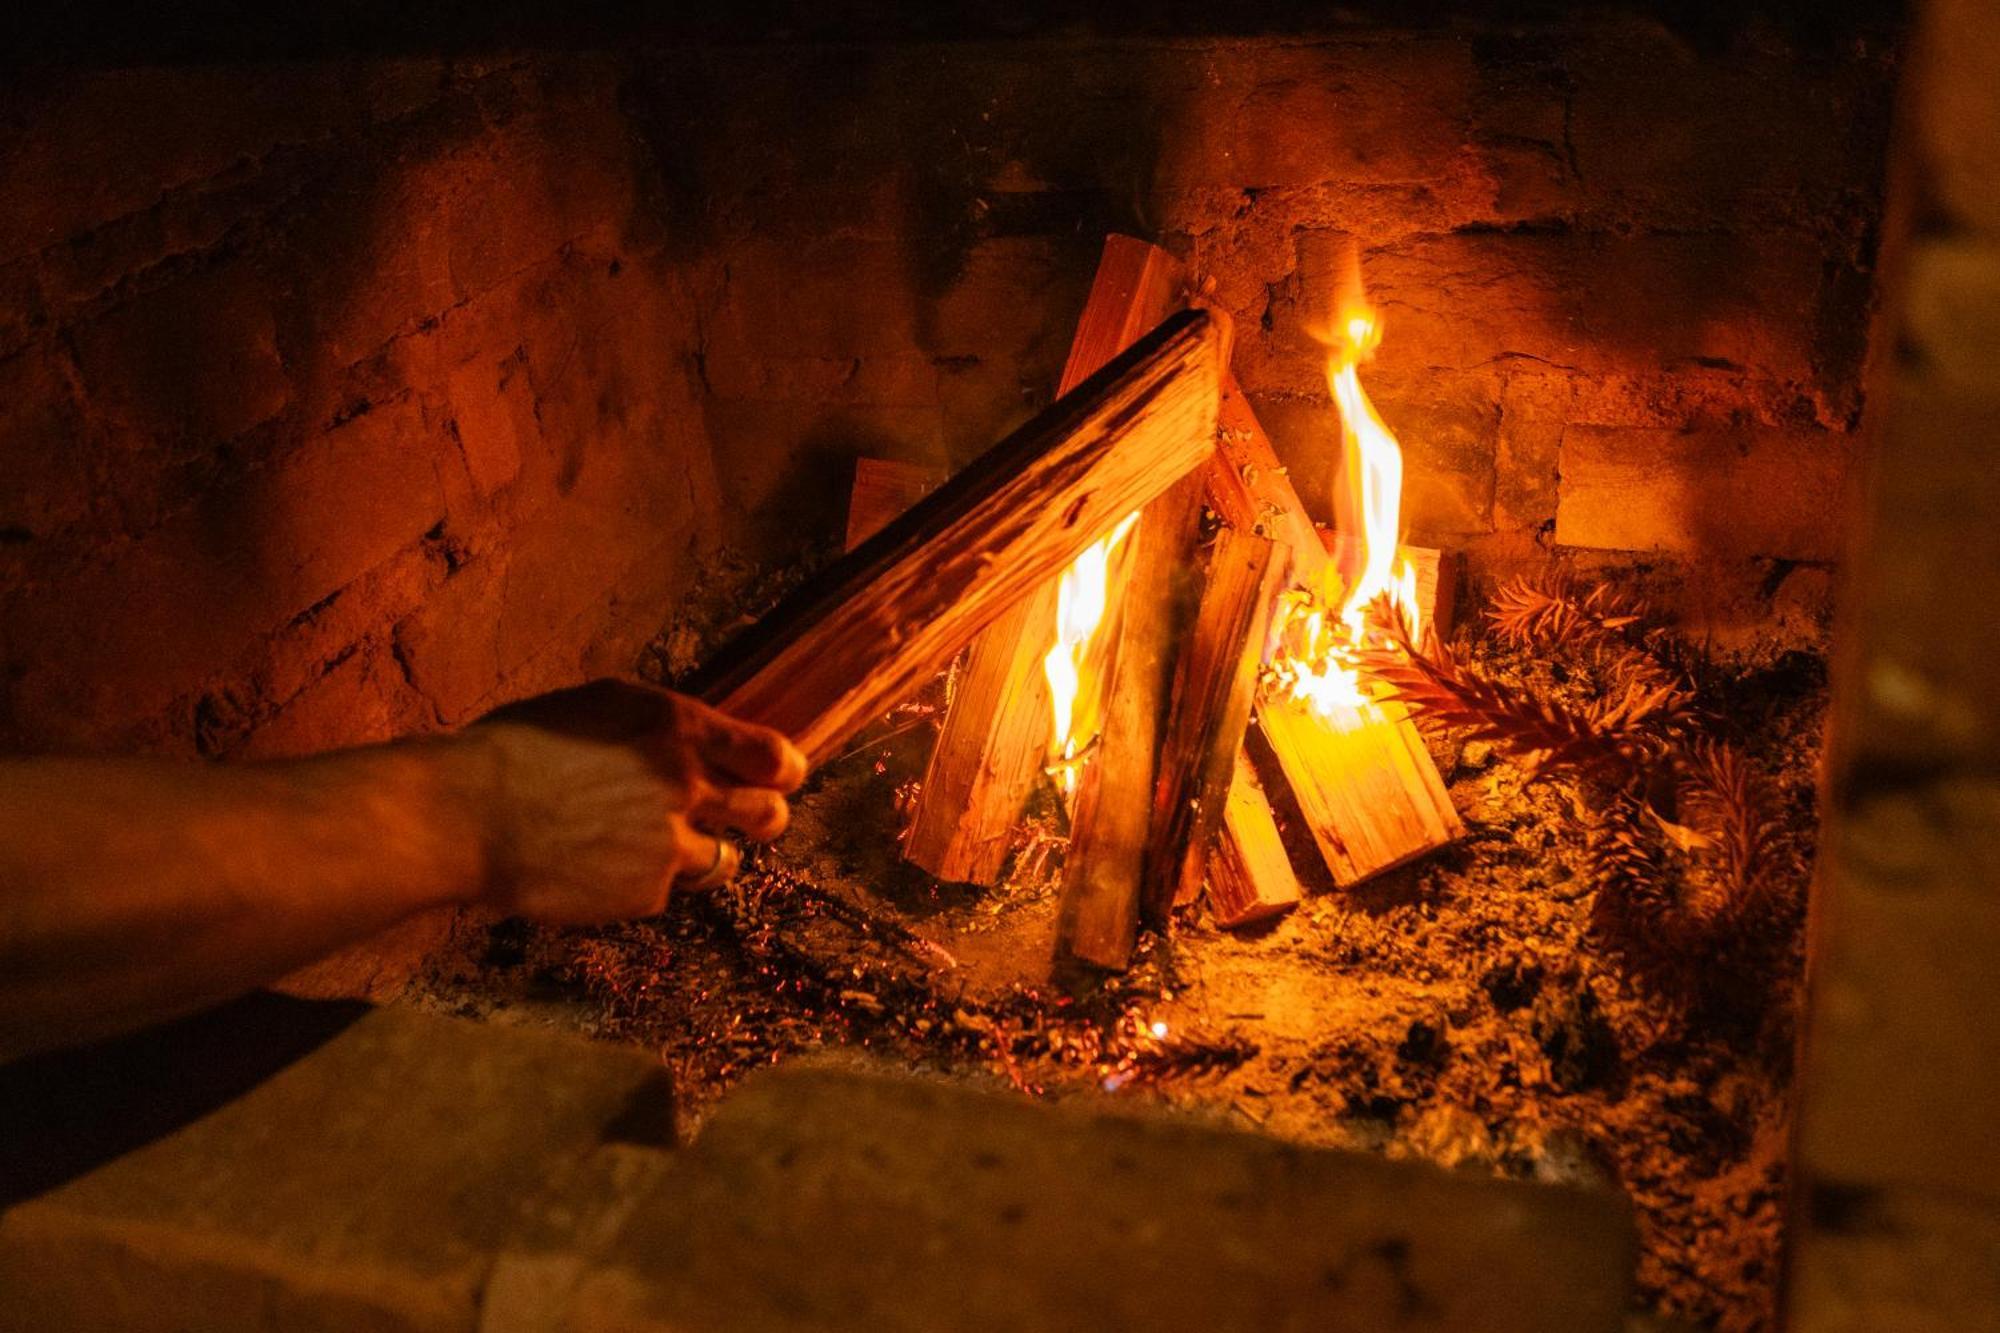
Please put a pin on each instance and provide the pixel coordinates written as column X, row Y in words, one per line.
column 1097, row 917
column 991, row 750
column 883, row 488
column 1250, row 876
column 1215, row 682
column 1368, row 788
column 846, row 647
column 996, row 735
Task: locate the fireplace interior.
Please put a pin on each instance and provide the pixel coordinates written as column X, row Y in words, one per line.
column 361, row 375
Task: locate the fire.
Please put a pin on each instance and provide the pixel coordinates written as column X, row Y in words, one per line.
column 1082, row 597
column 1315, row 661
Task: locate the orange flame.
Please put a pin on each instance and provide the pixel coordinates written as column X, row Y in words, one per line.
column 1082, row 597
column 1317, row 662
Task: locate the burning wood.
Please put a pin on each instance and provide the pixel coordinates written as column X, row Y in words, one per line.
column 1214, row 684
column 1367, row 786
column 1098, row 919
column 1087, row 674
column 845, row 648
column 996, row 737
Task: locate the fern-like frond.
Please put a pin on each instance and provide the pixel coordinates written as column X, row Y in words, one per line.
column 1550, row 609
column 1609, row 742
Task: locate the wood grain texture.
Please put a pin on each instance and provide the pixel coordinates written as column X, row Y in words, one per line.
column 1215, row 683
column 1249, row 875
column 1366, row 784
column 1368, row 788
column 843, row 649
column 996, row 735
column 883, row 489
column 991, row 750
column 1097, row 918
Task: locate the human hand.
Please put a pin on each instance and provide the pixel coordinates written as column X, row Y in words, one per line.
column 604, row 796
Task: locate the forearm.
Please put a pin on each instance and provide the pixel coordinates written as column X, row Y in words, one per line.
column 131, row 890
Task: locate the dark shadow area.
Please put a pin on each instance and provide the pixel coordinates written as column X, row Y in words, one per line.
column 125, row 32
column 66, row 1113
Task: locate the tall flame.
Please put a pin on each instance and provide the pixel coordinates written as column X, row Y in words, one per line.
column 1082, row 596
column 1317, row 662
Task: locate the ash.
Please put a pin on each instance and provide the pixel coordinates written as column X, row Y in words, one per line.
column 1462, row 1011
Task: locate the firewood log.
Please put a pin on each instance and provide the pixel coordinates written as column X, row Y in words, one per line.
column 1249, row 874
column 1368, row 788
column 847, row 646
column 996, row 734
column 1097, row 919
column 1215, row 680
column 884, row 488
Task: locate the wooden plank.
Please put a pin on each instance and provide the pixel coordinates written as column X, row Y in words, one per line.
column 1250, row 876
column 883, row 488
column 1251, row 489
column 1215, row 682
column 1367, row 787
column 843, row 649
column 1366, row 784
column 996, row 735
column 991, row 750
column 1097, row 917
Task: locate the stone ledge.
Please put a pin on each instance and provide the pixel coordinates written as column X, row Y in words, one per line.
column 366, row 1183
column 832, row 1200
column 284, row 1165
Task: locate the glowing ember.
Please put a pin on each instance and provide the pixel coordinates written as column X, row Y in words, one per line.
column 1081, row 600
column 1315, row 660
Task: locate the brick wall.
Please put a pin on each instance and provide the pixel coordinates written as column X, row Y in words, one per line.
column 336, row 400
column 340, row 399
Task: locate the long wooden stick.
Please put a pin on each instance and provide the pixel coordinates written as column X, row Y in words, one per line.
column 1097, row 919
column 996, row 735
column 1215, row 680
column 843, row 649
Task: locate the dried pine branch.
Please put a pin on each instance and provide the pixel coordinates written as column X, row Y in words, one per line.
column 1549, row 609
column 1611, row 740
column 1698, row 901
column 1753, row 866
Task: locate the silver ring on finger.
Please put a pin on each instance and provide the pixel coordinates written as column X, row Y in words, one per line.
column 719, row 871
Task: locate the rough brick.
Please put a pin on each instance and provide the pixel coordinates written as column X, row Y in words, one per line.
column 1905, row 1063
column 190, row 598
column 367, row 1184
column 1528, row 450
column 525, row 616
column 362, row 700
column 1758, row 493
column 1916, row 1262
column 196, row 359
column 109, row 143
column 840, row 1201
column 1303, row 114
column 48, row 455
column 1661, row 131
column 488, row 400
